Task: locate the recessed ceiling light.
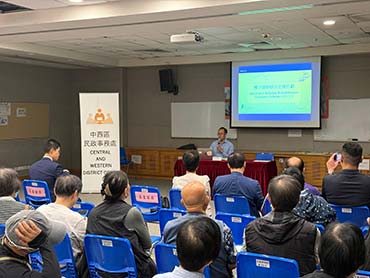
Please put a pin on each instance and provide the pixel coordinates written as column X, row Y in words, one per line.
column 76, row 1
column 329, row 22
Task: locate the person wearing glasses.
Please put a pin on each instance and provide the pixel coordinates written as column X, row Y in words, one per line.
column 26, row 232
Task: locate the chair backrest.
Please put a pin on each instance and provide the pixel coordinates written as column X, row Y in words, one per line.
column 251, row 265
column 175, row 199
column 147, row 197
column 166, row 258
column 2, row 229
column 166, row 215
column 36, row 193
column 237, row 223
column 231, row 204
column 362, row 274
column 122, row 155
column 83, row 208
column 65, row 257
column 110, row 255
column 264, row 156
column 355, row 215
column 266, row 206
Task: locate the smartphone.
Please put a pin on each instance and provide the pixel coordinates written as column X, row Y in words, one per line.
column 338, row 157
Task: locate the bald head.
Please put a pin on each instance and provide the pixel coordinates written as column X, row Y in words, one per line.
column 296, row 162
column 195, row 197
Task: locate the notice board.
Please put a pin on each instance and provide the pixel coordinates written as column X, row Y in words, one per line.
column 20, row 120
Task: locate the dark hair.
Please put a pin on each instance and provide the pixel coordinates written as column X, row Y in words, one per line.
column 224, row 128
column 236, row 160
column 67, row 185
column 114, row 183
column 284, row 192
column 295, row 173
column 300, row 165
column 352, row 153
column 9, row 182
column 198, row 242
column 51, row 144
column 341, row 250
column 190, row 160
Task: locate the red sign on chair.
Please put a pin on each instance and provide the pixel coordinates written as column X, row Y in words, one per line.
column 147, row 197
column 36, row 191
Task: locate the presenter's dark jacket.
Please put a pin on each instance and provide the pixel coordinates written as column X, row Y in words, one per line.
column 347, row 188
column 46, row 170
column 236, row 184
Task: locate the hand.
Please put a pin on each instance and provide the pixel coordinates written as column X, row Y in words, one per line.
column 219, row 148
column 27, row 207
column 27, row 232
column 331, row 164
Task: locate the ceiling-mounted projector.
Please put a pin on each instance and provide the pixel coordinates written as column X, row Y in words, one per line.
column 189, row 37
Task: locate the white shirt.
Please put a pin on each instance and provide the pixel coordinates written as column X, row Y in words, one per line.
column 181, row 181
column 179, row 272
column 75, row 223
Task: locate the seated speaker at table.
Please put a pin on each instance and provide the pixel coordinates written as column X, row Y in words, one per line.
column 222, row 147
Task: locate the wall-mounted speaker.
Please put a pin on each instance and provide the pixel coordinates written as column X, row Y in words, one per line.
column 166, row 80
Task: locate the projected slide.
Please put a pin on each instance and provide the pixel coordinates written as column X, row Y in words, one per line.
column 276, row 94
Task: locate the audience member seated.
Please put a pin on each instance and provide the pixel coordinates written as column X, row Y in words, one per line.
column 298, row 162
column 198, row 243
column 341, row 252
column 26, row 232
column 281, row 233
column 47, row 169
column 9, row 186
column 195, row 199
column 190, row 160
column 67, row 189
column 222, row 147
column 348, row 187
column 236, row 184
column 114, row 217
column 311, row 207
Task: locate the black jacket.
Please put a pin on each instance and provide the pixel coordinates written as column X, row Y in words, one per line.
column 15, row 268
column 284, row 235
column 347, row 188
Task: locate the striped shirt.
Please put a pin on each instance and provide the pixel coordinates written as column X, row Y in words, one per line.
column 8, row 207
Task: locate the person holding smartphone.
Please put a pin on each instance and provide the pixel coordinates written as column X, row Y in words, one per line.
column 348, row 187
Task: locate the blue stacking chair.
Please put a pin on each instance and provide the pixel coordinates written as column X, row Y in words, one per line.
column 175, row 199
column 265, row 156
column 166, row 258
column 36, row 193
column 266, row 207
column 251, row 265
column 237, row 223
column 362, row 274
column 65, row 257
column 83, row 208
column 166, row 215
column 147, row 198
column 2, row 229
column 231, row 204
column 355, row 215
column 107, row 254
column 124, row 161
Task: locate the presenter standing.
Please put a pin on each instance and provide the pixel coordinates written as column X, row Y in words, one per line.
column 222, row 147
